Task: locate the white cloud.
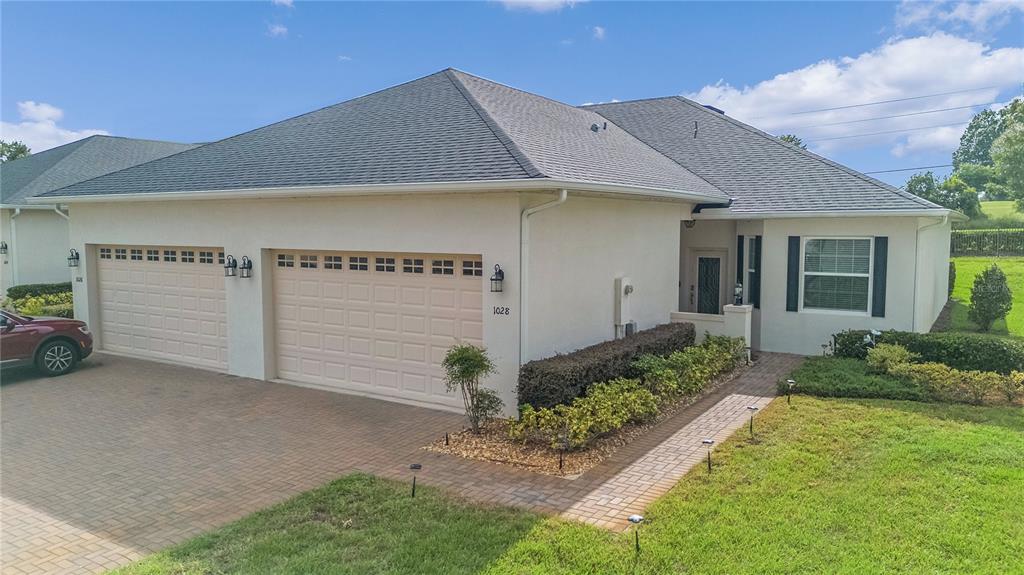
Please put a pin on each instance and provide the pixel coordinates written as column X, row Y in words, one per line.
column 285, row 3
column 540, row 5
column 567, row 42
column 599, row 32
column 977, row 16
column 344, row 58
column 277, row 31
column 38, row 127
column 900, row 68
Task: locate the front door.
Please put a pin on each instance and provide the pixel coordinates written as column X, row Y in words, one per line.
column 709, row 281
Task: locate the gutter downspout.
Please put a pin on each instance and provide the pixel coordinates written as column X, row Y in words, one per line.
column 917, row 258
column 61, row 214
column 524, row 266
column 14, row 247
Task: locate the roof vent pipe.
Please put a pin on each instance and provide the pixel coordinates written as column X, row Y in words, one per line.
column 695, row 129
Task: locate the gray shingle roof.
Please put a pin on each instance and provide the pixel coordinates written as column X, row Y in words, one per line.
column 446, row 127
column 759, row 171
column 74, row 162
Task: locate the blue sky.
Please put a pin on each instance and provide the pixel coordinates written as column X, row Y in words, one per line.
column 203, row 71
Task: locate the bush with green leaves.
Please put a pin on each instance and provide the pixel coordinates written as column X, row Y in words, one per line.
column 1013, row 387
column 562, row 378
column 952, row 279
column 606, row 407
column 965, row 351
column 28, row 290
column 991, row 298
column 52, row 305
column 883, row 356
column 945, row 383
column 688, row 371
column 465, row 365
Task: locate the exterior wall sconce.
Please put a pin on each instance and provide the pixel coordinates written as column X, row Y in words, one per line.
column 689, row 223
column 497, row 279
column 738, row 294
column 72, row 257
column 230, row 267
column 246, row 267
column 3, row 248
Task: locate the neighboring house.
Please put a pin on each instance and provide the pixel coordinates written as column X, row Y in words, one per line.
column 374, row 226
column 36, row 235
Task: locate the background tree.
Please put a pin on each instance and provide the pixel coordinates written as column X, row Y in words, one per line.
column 977, row 139
column 13, row 150
column 953, row 193
column 924, row 185
column 991, row 298
column 1008, row 155
column 793, row 139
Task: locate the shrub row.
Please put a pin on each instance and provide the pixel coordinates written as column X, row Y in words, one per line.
column 608, row 406
column 964, row 351
column 32, row 290
column 945, row 383
column 848, row 377
column 563, row 378
column 54, row 305
column 987, row 242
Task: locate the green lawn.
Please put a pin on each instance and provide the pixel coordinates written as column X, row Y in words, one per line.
column 969, row 267
column 1001, row 209
column 831, row 485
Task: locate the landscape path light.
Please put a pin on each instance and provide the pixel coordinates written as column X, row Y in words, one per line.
column 752, row 409
column 415, row 467
column 636, row 520
column 790, row 384
column 709, row 443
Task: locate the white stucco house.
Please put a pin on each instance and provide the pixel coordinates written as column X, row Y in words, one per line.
column 35, row 236
column 366, row 233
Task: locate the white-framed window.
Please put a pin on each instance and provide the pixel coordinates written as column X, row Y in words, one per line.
column 170, row 255
column 206, row 257
column 136, row 255
column 120, row 254
column 188, row 257
column 358, row 263
column 220, row 258
column 384, row 264
column 472, row 268
column 443, row 267
column 104, row 253
column 751, row 270
column 836, row 274
column 152, row 255
column 412, row 265
column 308, row 261
column 334, row 262
column 285, row 261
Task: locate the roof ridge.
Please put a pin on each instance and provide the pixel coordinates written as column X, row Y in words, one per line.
column 510, row 145
column 79, row 144
column 812, row 155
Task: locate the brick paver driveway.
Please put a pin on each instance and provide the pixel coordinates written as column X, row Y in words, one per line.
column 124, row 457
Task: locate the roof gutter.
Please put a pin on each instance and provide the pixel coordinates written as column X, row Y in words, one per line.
column 926, row 213
column 517, row 185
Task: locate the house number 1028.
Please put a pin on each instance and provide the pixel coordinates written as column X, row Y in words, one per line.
column 499, row 310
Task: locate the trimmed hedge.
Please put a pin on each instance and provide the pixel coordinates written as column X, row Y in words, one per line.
column 963, row 351
column 563, row 378
column 34, row 290
column 848, row 377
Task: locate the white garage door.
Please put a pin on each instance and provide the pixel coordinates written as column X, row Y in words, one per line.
column 164, row 302
column 375, row 324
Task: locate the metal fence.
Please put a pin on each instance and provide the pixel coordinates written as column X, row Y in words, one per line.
column 1006, row 242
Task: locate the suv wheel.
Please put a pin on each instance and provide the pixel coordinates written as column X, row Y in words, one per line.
column 57, row 357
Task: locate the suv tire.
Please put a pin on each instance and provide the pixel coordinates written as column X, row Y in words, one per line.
column 56, row 357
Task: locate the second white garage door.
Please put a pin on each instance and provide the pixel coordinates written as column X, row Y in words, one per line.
column 376, row 324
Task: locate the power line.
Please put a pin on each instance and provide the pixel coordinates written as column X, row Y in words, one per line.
column 909, row 169
column 893, row 116
column 885, row 101
column 889, row 132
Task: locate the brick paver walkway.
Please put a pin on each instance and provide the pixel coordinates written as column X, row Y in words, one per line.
column 125, row 457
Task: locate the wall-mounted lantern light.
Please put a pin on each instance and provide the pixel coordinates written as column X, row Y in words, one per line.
column 689, row 223
column 3, row 248
column 497, row 279
column 230, row 267
column 246, row 267
column 73, row 258
column 738, row 294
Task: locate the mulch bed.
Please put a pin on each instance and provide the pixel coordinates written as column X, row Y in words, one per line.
column 493, row 443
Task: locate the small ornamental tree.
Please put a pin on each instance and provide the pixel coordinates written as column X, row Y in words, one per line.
column 991, row 298
column 465, row 365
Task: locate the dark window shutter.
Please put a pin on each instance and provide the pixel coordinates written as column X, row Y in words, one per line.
column 755, row 281
column 878, row 280
column 739, row 260
column 793, row 274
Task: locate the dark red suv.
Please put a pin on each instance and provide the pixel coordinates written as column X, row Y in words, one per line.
column 53, row 344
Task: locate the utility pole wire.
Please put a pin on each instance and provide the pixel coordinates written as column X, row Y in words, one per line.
column 879, row 102
column 889, row 132
column 909, row 169
column 892, row 116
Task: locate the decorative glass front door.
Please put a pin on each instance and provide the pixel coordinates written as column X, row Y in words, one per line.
column 709, row 274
